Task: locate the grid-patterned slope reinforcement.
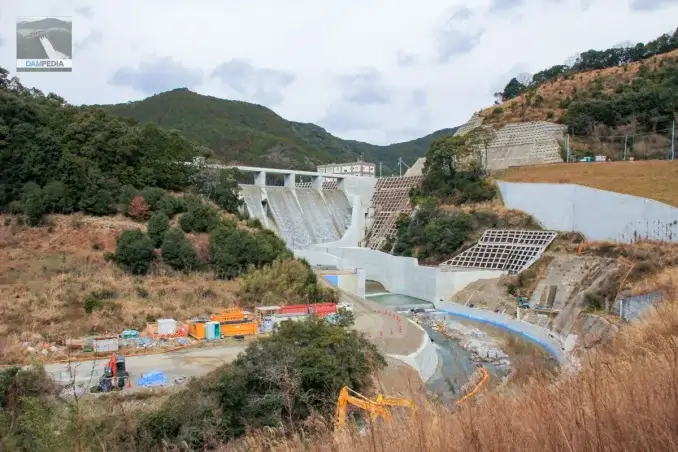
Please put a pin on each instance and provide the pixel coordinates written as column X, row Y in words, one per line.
column 391, row 198
column 503, row 249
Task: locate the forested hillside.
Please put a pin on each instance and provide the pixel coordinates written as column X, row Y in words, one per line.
column 624, row 97
column 81, row 157
column 255, row 135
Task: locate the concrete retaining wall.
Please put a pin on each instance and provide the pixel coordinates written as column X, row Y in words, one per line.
column 424, row 360
column 633, row 308
column 352, row 282
column 400, row 275
column 598, row 214
column 540, row 335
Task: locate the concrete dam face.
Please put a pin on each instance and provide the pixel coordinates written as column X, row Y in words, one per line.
column 302, row 216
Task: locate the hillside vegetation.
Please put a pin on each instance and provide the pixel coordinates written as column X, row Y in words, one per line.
column 103, row 228
column 606, row 98
column 250, row 134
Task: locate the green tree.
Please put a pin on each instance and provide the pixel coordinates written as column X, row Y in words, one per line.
column 178, row 252
column 98, row 201
column 57, row 198
column 127, row 194
column 277, row 381
column 200, row 218
column 512, row 89
column 32, row 204
column 227, row 190
column 157, row 226
column 155, row 197
column 345, row 318
column 134, row 252
column 232, row 251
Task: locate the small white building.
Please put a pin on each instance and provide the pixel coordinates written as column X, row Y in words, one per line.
column 358, row 168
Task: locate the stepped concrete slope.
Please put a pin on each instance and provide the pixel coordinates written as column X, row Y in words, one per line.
column 475, row 121
column 519, row 144
column 525, row 143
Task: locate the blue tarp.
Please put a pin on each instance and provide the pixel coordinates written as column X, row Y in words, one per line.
column 155, row 378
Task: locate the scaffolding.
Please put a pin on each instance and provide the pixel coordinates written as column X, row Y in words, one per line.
column 511, row 250
column 391, row 199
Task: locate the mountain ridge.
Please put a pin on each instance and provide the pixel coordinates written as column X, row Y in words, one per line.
column 252, row 134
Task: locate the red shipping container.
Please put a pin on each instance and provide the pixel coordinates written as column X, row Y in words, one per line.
column 294, row 309
column 323, row 309
column 319, row 309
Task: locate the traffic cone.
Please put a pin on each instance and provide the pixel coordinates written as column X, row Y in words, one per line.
column 129, row 383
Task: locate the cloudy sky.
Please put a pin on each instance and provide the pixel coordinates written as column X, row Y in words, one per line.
column 380, row 71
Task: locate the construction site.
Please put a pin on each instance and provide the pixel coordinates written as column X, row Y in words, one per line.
column 440, row 322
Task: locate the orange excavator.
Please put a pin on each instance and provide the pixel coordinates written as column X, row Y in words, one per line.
column 376, row 408
column 114, row 376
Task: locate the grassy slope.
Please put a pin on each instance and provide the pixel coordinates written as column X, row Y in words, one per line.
column 555, row 91
column 594, row 84
column 649, row 179
column 46, row 273
column 255, row 135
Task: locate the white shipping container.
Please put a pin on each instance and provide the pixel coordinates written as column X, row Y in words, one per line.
column 105, row 344
column 167, row 326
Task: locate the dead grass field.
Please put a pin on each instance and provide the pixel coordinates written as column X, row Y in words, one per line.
column 47, row 272
column 553, row 92
column 649, row 179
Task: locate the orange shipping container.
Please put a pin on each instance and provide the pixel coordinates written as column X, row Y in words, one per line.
column 230, row 315
column 197, row 330
column 239, row 329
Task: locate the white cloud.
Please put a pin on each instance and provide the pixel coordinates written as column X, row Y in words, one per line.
column 422, row 66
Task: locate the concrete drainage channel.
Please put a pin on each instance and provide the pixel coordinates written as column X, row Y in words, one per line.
column 458, row 356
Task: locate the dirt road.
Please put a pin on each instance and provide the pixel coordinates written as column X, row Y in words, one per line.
column 182, row 363
column 390, row 331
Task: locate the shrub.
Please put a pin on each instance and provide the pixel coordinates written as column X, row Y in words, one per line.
column 285, row 281
column 154, row 197
column 134, row 252
column 178, row 252
column 32, row 204
column 172, row 205
column 232, row 251
column 127, row 194
column 98, row 201
column 57, row 198
column 139, row 209
column 158, row 225
column 201, row 218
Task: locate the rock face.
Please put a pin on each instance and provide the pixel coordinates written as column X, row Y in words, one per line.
column 595, row 330
column 480, row 344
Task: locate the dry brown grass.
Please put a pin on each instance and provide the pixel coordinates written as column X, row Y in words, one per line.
column 555, row 91
column 649, row 179
column 625, row 398
column 46, row 273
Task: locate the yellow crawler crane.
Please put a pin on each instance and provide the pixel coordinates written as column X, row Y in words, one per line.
column 376, row 408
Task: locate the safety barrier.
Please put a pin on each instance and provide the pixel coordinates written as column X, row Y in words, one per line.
column 477, row 388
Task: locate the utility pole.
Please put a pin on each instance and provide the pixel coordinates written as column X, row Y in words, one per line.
column 626, row 138
column 673, row 140
column 380, row 169
column 567, row 147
